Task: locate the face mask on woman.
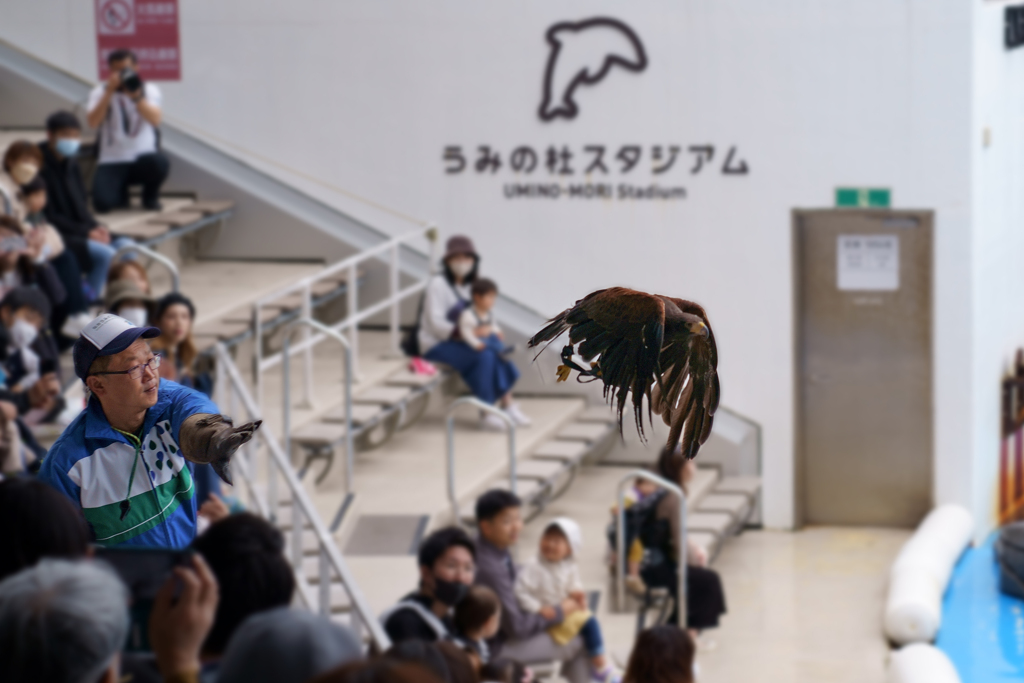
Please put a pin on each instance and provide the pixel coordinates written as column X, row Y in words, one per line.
column 134, row 314
column 23, row 333
column 460, row 267
column 23, row 172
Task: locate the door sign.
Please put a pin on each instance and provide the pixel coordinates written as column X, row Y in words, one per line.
column 868, row 263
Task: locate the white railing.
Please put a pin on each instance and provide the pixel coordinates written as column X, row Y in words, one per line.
column 620, row 540
column 156, row 256
column 234, row 399
column 388, row 251
column 453, row 498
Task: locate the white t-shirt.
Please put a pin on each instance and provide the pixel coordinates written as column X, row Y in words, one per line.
column 124, row 135
column 439, row 298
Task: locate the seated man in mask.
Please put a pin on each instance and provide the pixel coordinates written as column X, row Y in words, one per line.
column 447, row 561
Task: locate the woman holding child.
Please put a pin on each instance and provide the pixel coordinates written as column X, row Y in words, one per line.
column 458, row 328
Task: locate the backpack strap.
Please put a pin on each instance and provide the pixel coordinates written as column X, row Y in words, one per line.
column 426, row 615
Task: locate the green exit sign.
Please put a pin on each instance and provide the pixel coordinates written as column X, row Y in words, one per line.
column 864, row 197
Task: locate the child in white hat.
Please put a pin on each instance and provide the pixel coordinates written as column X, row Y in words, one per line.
column 551, row 578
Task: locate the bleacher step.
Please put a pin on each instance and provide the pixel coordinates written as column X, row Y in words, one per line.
column 718, row 523
column 703, row 482
column 749, row 486
column 599, row 413
column 318, row 433
column 209, row 206
column 543, row 470
column 529, row 490
column 285, row 516
column 563, row 451
column 382, row 395
column 735, row 504
column 589, row 432
column 361, row 413
column 405, row 378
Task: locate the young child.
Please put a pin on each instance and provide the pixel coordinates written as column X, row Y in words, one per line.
column 553, row 577
column 477, row 619
column 478, row 329
column 642, row 488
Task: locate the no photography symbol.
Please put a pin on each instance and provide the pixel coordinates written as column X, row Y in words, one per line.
column 116, row 15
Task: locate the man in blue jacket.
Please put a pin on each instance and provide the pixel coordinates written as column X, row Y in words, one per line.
column 124, row 459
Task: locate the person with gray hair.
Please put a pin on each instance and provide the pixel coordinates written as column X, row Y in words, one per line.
column 62, row 622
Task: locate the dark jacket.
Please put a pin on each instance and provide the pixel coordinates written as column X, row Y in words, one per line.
column 405, row 624
column 66, row 204
column 496, row 570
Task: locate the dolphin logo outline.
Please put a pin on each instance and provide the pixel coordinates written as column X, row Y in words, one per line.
column 563, row 104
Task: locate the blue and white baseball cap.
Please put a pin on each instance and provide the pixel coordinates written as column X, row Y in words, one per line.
column 104, row 336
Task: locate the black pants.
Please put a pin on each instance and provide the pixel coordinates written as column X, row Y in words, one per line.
column 705, row 598
column 66, row 266
column 111, row 182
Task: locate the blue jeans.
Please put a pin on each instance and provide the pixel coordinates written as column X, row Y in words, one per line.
column 101, row 255
column 488, row 374
column 591, row 635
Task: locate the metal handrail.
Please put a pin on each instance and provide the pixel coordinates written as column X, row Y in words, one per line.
column 330, row 557
column 620, row 540
column 287, row 393
column 450, row 419
column 159, row 258
column 353, row 315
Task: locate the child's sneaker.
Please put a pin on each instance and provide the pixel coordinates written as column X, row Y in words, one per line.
column 492, row 423
column 518, row 416
column 636, row 586
column 609, row 674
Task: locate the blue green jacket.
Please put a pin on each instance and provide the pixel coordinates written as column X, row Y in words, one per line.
column 91, row 463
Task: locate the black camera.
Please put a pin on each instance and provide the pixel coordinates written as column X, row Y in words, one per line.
column 130, row 81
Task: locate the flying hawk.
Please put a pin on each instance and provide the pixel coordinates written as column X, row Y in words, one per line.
column 650, row 345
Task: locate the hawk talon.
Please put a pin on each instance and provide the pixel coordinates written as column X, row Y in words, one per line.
column 563, row 372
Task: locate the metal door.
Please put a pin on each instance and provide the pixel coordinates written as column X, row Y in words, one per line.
column 864, row 366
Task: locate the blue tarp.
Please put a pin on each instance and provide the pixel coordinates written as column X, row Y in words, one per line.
column 982, row 629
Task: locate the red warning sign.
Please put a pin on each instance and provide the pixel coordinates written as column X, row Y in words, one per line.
column 149, row 28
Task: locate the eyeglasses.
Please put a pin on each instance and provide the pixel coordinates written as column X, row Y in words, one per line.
column 135, row 372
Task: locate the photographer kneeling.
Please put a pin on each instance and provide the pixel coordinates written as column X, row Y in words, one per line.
column 126, row 113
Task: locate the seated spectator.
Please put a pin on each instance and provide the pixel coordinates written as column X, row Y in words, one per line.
column 62, row 622
column 523, row 636
column 490, row 376
column 705, row 598
column 130, row 269
column 246, row 555
column 28, row 368
column 66, row 208
column 663, row 654
column 126, row 115
column 70, row 317
column 447, row 562
column 21, row 164
column 286, row 646
column 18, row 267
column 39, row 523
column 477, row 620
column 124, row 299
column 174, row 316
column 554, row 576
column 640, row 500
column 478, row 329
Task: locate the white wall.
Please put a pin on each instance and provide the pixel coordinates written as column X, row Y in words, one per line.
column 997, row 242
column 815, row 94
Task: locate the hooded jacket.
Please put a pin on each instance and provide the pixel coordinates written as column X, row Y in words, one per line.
column 549, row 583
column 92, row 464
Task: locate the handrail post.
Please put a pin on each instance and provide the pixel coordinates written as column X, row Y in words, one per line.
column 450, row 427
column 287, row 408
column 307, row 312
column 159, row 258
column 393, row 295
column 353, row 309
column 620, row 540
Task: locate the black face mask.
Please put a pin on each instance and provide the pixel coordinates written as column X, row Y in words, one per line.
column 449, row 593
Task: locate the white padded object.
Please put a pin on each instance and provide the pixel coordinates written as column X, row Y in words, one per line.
column 918, row 578
column 938, row 542
column 913, row 609
column 921, row 663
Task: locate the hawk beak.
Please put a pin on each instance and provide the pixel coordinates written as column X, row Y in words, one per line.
column 700, row 329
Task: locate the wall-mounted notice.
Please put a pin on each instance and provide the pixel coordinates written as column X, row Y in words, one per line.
column 149, row 28
column 868, row 263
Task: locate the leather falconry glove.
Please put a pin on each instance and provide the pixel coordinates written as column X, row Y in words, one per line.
column 212, row 439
